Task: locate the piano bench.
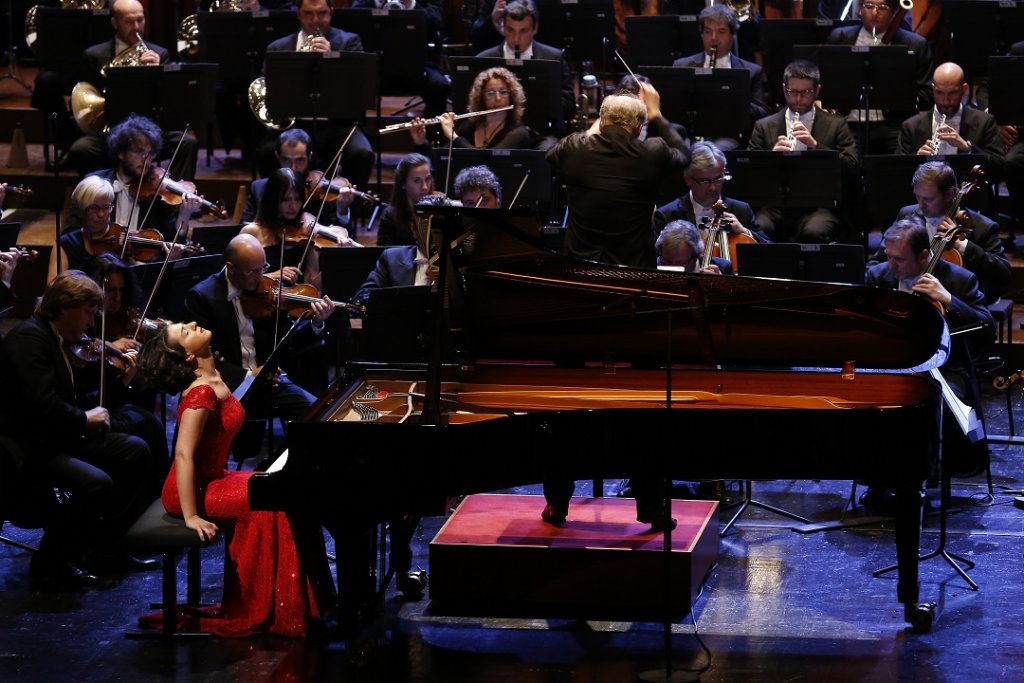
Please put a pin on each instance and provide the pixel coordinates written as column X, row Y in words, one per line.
column 157, row 529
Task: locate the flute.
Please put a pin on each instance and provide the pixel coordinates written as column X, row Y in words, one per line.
column 437, row 119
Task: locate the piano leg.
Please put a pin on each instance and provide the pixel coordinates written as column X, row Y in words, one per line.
column 908, row 519
column 356, row 552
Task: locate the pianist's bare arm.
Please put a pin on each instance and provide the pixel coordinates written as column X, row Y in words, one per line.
column 190, row 429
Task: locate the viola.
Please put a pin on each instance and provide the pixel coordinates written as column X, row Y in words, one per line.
column 156, row 183
column 321, row 188
column 263, row 301
column 87, row 351
column 145, row 245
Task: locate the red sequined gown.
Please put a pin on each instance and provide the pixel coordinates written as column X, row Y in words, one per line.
column 276, row 578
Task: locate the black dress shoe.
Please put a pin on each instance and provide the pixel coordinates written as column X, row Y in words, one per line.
column 553, row 515
column 120, row 563
column 59, row 576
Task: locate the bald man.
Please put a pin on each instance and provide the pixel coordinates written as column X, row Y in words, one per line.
column 956, row 127
column 243, row 342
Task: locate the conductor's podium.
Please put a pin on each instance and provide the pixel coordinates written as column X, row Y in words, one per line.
column 494, row 555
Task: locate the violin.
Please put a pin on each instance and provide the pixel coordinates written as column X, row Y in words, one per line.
column 321, row 188
column 87, row 351
column 24, row 254
column 22, row 190
column 263, row 301
column 145, row 245
column 170, row 191
column 298, row 233
column 126, row 321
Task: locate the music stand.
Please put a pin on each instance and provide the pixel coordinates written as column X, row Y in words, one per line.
column 778, row 37
column 396, row 324
column 402, row 32
column 982, row 29
column 180, row 276
column 768, row 259
column 343, row 271
column 64, row 34
column 714, row 103
column 214, row 238
column 175, row 96
column 660, row 40
column 888, row 187
column 842, row 263
column 9, row 235
column 511, row 166
column 873, row 77
column 541, row 80
column 1005, row 74
column 581, row 27
column 801, row 180
column 237, row 42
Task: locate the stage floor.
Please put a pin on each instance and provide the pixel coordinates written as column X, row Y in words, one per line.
column 780, row 606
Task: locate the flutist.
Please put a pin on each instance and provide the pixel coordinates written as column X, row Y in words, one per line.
column 493, row 90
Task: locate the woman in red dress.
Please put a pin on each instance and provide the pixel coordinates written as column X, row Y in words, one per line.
column 276, row 578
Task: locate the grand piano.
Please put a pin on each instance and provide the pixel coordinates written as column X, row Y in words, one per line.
column 547, row 364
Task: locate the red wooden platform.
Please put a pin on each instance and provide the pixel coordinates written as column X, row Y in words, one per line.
column 495, row 553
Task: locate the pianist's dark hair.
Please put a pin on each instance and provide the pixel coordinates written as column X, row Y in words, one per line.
column 162, row 365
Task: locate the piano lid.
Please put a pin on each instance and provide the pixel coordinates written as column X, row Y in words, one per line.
column 512, row 299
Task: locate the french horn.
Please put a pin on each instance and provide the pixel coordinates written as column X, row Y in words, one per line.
column 258, row 95
column 32, row 16
column 87, row 102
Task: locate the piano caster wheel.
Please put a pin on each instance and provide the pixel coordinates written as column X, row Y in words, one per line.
column 412, row 584
column 921, row 616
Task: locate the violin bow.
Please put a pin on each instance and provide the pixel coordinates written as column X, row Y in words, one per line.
column 103, row 340
column 135, row 206
column 333, row 168
column 516, row 196
column 169, row 249
column 628, row 69
column 164, row 178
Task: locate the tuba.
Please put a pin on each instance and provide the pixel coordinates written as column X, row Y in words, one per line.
column 87, row 102
column 258, row 94
column 32, row 16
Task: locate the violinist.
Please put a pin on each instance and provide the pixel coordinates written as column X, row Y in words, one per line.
column 8, row 262
column 135, row 143
column 413, row 182
column 66, row 442
column 955, row 289
column 883, row 126
column 244, row 342
column 92, row 231
column 492, row 89
column 294, row 151
column 935, row 187
column 477, row 186
column 283, row 229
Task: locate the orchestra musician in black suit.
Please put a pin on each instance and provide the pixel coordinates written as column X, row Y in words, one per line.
column 706, row 177
column 317, row 35
column 884, row 126
column 680, row 247
column 89, row 152
column 955, row 290
column 611, row 179
column 244, row 342
column 434, row 87
column 520, row 22
column 65, row 442
column 8, row 262
column 802, row 125
column 718, row 26
column 963, row 129
column 982, row 252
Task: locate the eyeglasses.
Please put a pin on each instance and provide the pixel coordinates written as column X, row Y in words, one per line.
column 140, row 152
column 257, row 271
column 712, row 181
column 495, row 93
column 804, row 93
column 100, row 208
column 874, row 6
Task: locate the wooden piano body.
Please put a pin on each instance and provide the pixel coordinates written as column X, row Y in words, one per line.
column 767, row 380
